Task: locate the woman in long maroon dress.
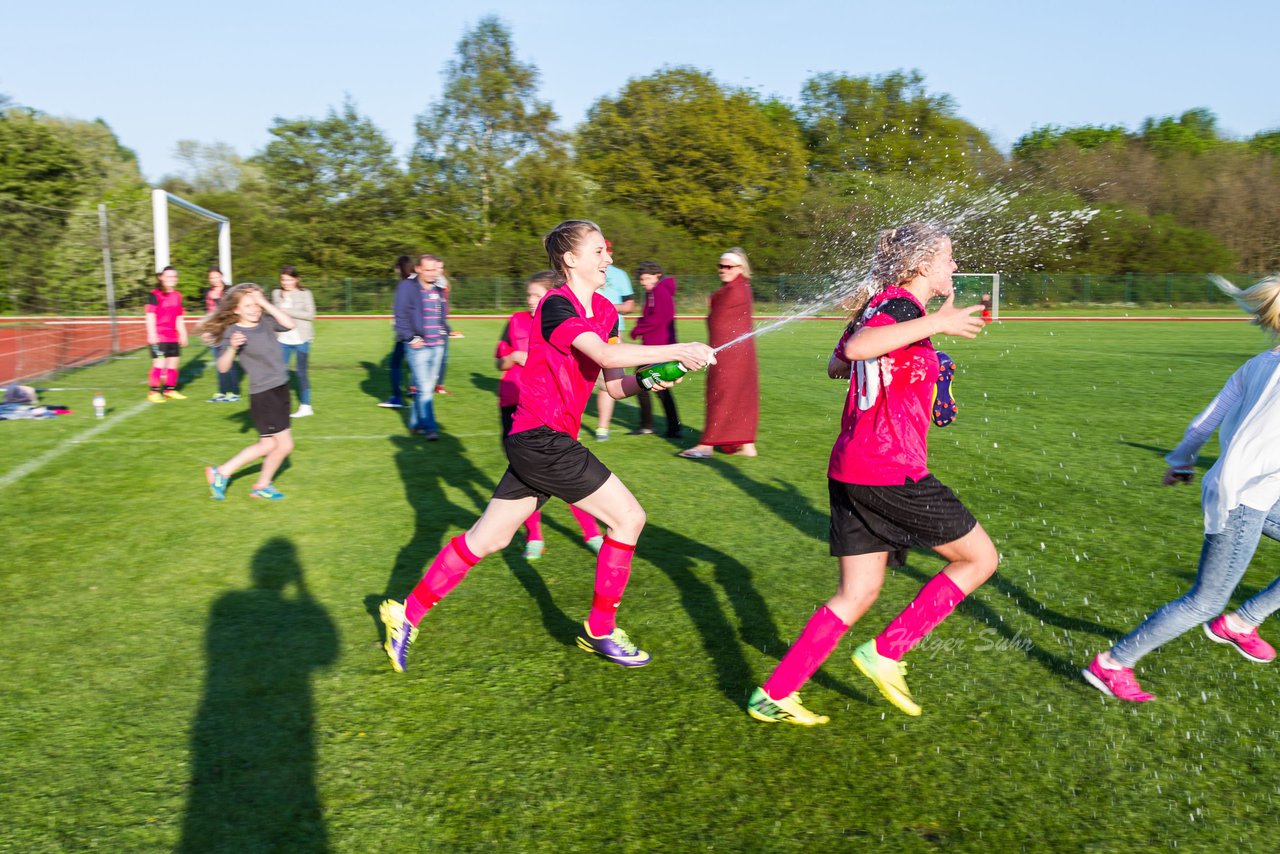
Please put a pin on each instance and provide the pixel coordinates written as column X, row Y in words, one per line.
column 733, row 382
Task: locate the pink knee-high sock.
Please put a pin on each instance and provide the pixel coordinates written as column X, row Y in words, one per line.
column 613, row 568
column 449, row 567
column 932, row 604
column 816, row 642
column 586, row 522
column 534, row 525
column 171, row 377
column 156, row 378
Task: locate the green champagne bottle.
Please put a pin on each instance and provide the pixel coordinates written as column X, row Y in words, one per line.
column 667, row 372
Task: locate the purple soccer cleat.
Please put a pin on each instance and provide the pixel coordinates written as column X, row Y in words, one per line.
column 615, row 646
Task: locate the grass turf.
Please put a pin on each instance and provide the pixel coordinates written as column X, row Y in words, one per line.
column 180, row 674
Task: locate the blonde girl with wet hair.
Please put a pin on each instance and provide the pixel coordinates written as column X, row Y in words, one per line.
column 884, row 500
column 1240, row 497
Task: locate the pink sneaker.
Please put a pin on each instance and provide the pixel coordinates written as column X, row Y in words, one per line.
column 1249, row 644
column 1120, row 684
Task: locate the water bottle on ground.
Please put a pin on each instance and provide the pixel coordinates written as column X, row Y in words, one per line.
column 99, row 405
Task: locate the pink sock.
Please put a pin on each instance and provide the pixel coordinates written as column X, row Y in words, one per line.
column 534, row 524
column 806, row 655
column 171, row 377
column 613, row 568
column 449, row 567
column 586, row 522
column 155, row 378
column 932, row 604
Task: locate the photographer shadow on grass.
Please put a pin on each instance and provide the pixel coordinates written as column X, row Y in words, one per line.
column 253, row 749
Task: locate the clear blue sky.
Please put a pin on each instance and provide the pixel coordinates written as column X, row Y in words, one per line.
column 220, row 71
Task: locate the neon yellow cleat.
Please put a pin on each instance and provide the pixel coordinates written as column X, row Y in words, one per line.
column 155, row 397
column 174, row 394
column 789, row 710
column 400, row 633
column 888, row 675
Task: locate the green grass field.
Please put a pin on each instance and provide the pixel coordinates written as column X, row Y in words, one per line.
column 179, row 674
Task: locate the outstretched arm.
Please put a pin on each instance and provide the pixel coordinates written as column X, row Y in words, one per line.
column 872, row 341
column 1182, row 459
column 694, row 355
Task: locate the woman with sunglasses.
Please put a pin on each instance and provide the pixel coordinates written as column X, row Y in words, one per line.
column 733, row 383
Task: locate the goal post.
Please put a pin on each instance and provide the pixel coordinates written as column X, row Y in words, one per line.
column 160, row 201
column 975, row 285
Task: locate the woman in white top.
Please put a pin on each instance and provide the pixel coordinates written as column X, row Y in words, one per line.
column 298, row 303
column 1241, row 500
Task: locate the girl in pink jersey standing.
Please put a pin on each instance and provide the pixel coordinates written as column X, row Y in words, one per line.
column 166, row 336
column 574, row 338
column 512, row 353
column 883, row 498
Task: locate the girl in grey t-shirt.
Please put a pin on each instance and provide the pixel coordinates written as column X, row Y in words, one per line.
column 246, row 322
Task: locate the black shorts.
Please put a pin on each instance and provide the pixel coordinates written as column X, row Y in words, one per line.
column 270, row 410
column 545, row 462
column 166, row 350
column 867, row 519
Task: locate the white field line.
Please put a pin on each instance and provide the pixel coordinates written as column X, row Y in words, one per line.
column 15, row 475
column 373, row 437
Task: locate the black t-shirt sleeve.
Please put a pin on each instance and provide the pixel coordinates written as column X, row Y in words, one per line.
column 555, row 311
column 900, row 309
column 152, row 299
column 614, row 333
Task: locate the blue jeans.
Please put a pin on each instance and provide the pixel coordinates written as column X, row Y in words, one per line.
column 1223, row 560
column 302, row 354
column 424, row 364
column 228, row 381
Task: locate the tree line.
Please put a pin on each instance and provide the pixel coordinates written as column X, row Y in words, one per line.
column 675, row 166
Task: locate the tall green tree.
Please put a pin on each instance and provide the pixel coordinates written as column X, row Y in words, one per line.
column 1193, row 132
column 337, row 191
column 710, row 159
column 40, row 180
column 890, row 124
column 486, row 154
column 112, row 177
column 213, row 167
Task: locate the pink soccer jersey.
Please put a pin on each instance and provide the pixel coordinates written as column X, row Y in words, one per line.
column 167, row 307
column 884, row 432
column 557, row 380
column 514, row 338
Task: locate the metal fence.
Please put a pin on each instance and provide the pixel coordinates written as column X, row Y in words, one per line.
column 45, row 343
column 496, row 295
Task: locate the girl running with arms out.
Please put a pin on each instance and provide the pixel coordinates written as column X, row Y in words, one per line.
column 1241, row 501
column 512, row 353
column 883, row 498
column 249, row 337
column 574, row 328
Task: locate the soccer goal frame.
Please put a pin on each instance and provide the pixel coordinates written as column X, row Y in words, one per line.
column 994, row 289
column 160, row 201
